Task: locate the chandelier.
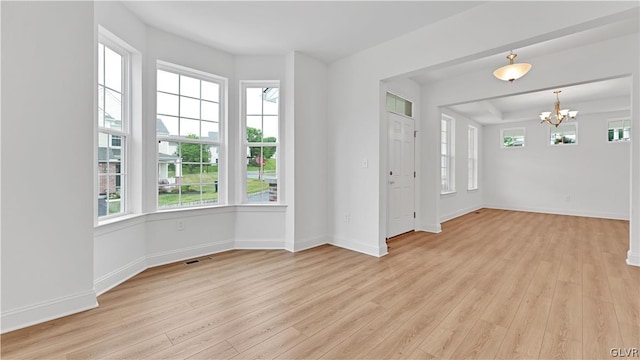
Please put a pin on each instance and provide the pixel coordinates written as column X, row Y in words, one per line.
column 512, row 71
column 560, row 115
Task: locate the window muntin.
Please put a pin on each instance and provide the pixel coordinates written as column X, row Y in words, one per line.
column 447, row 156
column 564, row 134
column 261, row 128
column 188, row 127
column 113, row 128
column 619, row 130
column 472, row 141
column 514, row 137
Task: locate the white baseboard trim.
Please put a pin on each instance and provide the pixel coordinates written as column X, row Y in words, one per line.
column 108, row 281
column 259, row 245
column 168, row 257
column 358, row 247
column 431, row 228
column 633, row 259
column 459, row 213
column 48, row 310
column 310, row 243
column 593, row 214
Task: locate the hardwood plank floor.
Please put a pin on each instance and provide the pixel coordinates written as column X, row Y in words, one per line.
column 494, row 284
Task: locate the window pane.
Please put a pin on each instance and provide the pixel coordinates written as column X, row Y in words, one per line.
column 167, row 126
column 189, row 128
column 270, row 97
column 167, row 104
column 257, row 187
column 210, row 111
column 189, row 107
column 210, row 131
column 167, row 82
column 270, row 128
column 189, row 86
column 113, row 110
column 100, row 106
column 391, row 101
column 254, row 101
column 100, row 64
column 210, row 91
column 112, row 69
column 254, row 128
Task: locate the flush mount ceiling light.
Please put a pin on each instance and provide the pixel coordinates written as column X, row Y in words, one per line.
column 512, row 71
column 560, row 115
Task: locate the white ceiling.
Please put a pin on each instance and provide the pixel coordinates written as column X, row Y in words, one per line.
column 326, row 30
column 330, row 30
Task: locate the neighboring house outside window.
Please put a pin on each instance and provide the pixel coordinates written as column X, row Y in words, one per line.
column 261, row 140
column 190, row 110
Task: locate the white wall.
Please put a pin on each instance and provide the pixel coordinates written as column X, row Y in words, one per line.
column 354, row 100
column 590, row 178
column 47, row 202
column 310, row 151
column 463, row 201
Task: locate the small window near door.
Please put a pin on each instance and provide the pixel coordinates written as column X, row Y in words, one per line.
column 619, row 130
column 399, row 105
column 512, row 138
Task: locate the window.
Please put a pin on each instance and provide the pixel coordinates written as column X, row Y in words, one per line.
column 399, row 105
column 565, row 134
column 261, row 124
column 473, row 158
column 188, row 128
column 619, row 130
column 512, row 137
column 113, row 127
column 447, row 158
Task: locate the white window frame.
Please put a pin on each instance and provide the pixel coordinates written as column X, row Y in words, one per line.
column 220, row 143
column 118, row 46
column 552, row 129
column 244, row 85
column 623, row 140
column 524, row 137
column 472, row 148
column 448, row 183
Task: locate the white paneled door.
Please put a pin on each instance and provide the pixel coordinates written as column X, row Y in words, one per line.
column 401, row 175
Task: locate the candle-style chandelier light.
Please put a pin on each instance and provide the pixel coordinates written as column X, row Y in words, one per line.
column 558, row 114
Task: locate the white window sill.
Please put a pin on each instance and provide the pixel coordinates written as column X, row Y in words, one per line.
column 447, row 194
column 472, row 190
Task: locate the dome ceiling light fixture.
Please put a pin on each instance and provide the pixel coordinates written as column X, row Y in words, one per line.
column 512, row 71
column 560, row 115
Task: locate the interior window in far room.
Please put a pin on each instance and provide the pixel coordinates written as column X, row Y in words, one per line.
column 619, row 130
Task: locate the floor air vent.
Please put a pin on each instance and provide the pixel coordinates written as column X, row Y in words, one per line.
column 196, row 261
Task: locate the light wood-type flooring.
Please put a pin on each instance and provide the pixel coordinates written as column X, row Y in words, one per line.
column 493, row 285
